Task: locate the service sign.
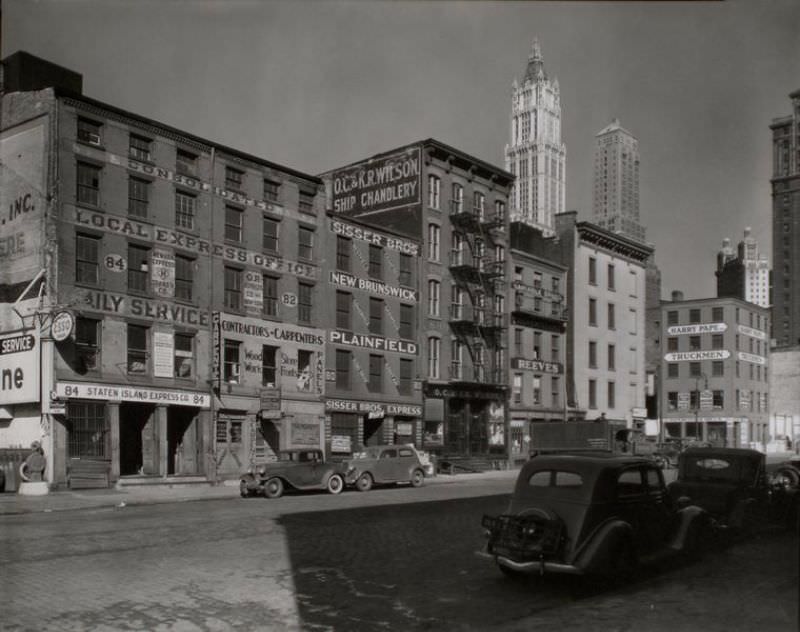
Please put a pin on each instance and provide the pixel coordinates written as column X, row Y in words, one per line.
column 62, row 326
column 19, row 368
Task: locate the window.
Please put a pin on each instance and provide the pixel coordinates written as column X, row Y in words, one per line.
column 718, row 399
column 434, row 235
column 672, row 344
column 593, row 312
column 672, row 318
column 343, row 247
column 434, row 288
column 555, row 352
column 555, row 391
column 89, row 431
column 88, row 184
column 306, row 202
column 236, row 431
column 233, row 179
column 629, row 483
column 87, row 259
column 537, row 345
column 272, row 190
column 612, row 395
column 269, row 366
column 184, row 355
column 344, row 302
column 592, row 270
column 537, row 389
column 304, row 305
column 137, row 349
column 634, row 283
column 233, row 223
column 611, row 281
column 434, row 348
column 230, row 361
column 518, row 342
column 694, row 369
column 717, row 314
column 479, row 204
column 717, row 368
column 184, row 210
column 716, row 341
column 89, row 132
column 434, row 188
column 138, row 267
column 139, row 148
column 375, row 262
column 457, row 200
column 593, row 394
column 457, row 360
column 87, row 343
column 376, row 316
column 672, row 400
column 612, row 361
column 592, row 354
column 305, row 243
column 499, row 210
column 304, row 360
column 694, row 316
column 342, row 369
column 406, row 329
column 537, row 280
column 516, row 388
column 694, row 343
column 375, row 384
column 612, row 321
column 269, row 239
column 233, row 288
column 672, row 370
column 406, row 376
column 138, row 197
column 185, row 163
column 270, row 288
column 406, row 274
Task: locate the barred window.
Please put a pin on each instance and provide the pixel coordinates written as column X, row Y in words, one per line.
column 88, row 431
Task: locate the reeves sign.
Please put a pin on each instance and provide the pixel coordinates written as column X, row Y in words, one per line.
column 19, row 368
column 539, row 366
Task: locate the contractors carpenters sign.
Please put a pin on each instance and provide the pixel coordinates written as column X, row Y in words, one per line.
column 377, row 185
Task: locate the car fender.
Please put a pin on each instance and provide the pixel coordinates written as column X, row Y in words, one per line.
column 594, row 552
column 248, row 478
column 688, row 517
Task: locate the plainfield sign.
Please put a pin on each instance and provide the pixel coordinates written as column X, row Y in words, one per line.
column 378, row 343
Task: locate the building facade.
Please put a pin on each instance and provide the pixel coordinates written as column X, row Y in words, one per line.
column 606, row 326
column 535, row 154
column 715, row 372
column 615, row 187
column 743, row 273
column 786, row 226
column 455, row 206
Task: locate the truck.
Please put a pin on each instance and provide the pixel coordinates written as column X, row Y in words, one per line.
column 610, row 436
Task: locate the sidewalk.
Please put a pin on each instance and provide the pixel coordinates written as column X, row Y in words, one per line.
column 66, row 500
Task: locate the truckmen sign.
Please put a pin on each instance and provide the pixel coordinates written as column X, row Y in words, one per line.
column 19, row 368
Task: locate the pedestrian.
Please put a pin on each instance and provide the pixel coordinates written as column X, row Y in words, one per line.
column 32, row 468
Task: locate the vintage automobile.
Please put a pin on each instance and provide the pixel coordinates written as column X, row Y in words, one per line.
column 591, row 515
column 301, row 469
column 384, row 464
column 733, row 486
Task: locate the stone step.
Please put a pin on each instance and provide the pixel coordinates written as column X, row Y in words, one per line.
column 168, row 481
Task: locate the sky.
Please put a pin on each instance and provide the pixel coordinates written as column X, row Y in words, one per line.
column 314, row 85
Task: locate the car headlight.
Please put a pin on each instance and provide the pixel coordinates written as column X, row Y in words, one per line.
column 262, row 470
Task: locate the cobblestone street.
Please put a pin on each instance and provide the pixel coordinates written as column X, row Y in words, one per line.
column 385, row 560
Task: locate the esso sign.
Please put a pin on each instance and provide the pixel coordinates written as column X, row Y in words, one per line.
column 62, row 326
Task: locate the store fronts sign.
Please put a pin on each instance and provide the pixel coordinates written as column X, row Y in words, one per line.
column 378, row 343
column 119, row 393
column 539, row 366
column 695, row 356
column 364, row 407
column 707, row 328
column 19, row 368
column 342, row 279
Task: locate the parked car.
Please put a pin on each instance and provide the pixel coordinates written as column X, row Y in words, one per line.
column 733, row 486
column 384, row 464
column 301, row 469
column 787, row 473
column 591, row 515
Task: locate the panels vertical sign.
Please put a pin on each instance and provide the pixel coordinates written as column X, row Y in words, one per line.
column 22, row 202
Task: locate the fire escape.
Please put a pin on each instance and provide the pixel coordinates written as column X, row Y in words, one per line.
column 477, row 313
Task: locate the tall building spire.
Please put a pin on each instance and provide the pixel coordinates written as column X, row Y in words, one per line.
column 536, row 154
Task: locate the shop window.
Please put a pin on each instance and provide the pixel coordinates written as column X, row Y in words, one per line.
column 230, row 361
column 87, row 430
column 137, row 349
column 184, row 355
column 87, row 259
column 87, row 343
column 344, row 430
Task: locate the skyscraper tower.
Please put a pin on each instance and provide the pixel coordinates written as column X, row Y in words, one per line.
column 743, row 274
column 786, row 226
column 615, row 193
column 536, row 155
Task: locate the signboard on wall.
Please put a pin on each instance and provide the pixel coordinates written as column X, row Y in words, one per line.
column 696, row 356
column 19, row 367
column 253, row 292
column 163, row 353
column 305, row 434
column 707, row 328
column 122, row 393
column 341, row 443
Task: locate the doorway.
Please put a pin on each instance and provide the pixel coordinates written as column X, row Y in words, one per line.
column 136, row 440
column 182, row 441
column 372, row 431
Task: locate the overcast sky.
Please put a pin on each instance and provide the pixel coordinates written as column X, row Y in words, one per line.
column 315, row 85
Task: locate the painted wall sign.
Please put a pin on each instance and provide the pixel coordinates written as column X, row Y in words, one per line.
column 341, row 443
column 163, row 354
column 684, row 356
column 19, row 368
column 750, row 357
column 753, row 333
column 216, row 350
column 708, row 328
column 62, row 326
column 536, row 365
column 446, row 392
column 253, row 292
column 121, row 393
column 342, row 279
column 115, row 263
column 378, row 184
column 22, row 182
column 144, row 308
column 162, row 275
column 170, row 237
column 304, row 434
column 289, row 299
column 255, row 328
column 364, row 407
column 379, row 343
column 372, row 237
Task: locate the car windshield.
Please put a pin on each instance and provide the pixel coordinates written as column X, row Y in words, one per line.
column 367, row 453
column 719, row 468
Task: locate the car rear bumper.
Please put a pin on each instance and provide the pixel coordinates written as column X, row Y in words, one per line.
column 538, row 566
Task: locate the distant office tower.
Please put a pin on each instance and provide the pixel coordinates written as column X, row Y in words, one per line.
column 743, row 273
column 786, row 226
column 615, row 194
column 536, row 155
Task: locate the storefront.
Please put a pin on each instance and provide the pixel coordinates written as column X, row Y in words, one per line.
column 731, row 432
column 355, row 423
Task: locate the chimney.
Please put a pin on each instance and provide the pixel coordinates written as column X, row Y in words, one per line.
column 677, row 296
